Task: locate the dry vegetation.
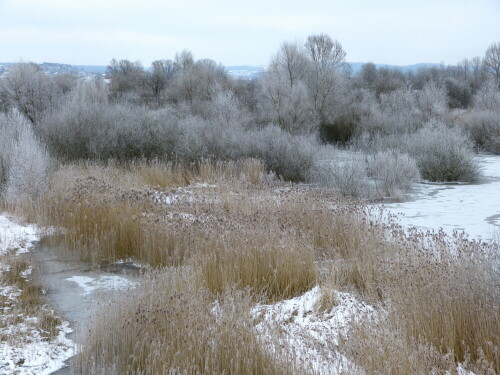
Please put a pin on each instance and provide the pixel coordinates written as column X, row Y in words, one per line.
column 181, row 331
column 25, row 307
column 230, row 235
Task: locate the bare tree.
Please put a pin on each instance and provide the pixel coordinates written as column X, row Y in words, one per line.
column 162, row 71
column 464, row 67
column 127, row 78
column 197, row 82
column 324, row 51
column 492, row 60
column 184, row 59
column 326, row 55
column 478, row 73
column 28, row 89
column 292, row 60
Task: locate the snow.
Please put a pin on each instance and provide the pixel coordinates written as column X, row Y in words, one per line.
column 35, row 356
column 311, row 334
column 473, row 208
column 25, row 351
column 103, row 283
column 15, row 236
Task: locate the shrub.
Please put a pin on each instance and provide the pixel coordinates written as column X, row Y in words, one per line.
column 24, row 161
column 346, row 174
column 443, row 153
column 82, row 130
column 339, row 130
column 459, row 93
column 392, row 171
column 484, row 129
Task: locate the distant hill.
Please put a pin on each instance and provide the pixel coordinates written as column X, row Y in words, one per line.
column 57, row 68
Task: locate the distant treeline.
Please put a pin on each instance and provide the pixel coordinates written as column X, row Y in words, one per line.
column 305, row 101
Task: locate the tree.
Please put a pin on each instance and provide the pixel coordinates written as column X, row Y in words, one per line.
column 160, row 74
column 459, row 93
column 126, row 77
column 28, row 89
column 198, row 81
column 292, row 61
column 368, row 75
column 325, row 55
column 324, row 51
column 492, row 61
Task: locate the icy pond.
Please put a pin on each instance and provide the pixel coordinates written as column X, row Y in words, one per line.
column 473, row 208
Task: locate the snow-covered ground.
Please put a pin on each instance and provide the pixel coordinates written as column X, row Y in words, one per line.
column 23, row 349
column 473, row 208
column 15, row 237
column 310, row 332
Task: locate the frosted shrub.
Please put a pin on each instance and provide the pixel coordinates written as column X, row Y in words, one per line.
column 484, row 129
column 24, row 161
column 393, row 172
column 347, row 176
column 488, row 97
column 82, row 130
column 291, row 157
column 443, row 153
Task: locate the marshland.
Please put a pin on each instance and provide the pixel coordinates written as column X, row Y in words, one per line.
column 216, row 225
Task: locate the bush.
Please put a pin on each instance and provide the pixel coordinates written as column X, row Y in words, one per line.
column 484, row 129
column 459, row 93
column 345, row 174
column 392, row 171
column 86, row 130
column 340, row 130
column 24, row 161
column 443, row 153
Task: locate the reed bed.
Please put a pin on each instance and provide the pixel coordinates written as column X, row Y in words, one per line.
column 225, row 235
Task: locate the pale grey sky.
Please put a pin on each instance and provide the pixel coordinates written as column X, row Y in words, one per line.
column 250, row 32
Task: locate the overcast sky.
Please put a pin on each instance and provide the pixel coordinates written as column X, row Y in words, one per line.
column 234, row 32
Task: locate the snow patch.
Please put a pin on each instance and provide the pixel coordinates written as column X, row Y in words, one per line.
column 15, row 236
column 36, row 355
column 311, row 333
column 105, row 283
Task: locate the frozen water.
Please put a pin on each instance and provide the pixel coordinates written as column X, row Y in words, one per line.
column 473, row 208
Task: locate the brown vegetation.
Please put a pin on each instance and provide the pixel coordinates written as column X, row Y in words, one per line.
column 240, row 237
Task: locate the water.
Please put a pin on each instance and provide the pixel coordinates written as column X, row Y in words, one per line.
column 74, row 289
column 473, row 208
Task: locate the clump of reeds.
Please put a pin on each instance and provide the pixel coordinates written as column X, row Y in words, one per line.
column 170, row 326
column 441, row 310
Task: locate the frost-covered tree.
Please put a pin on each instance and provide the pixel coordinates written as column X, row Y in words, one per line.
column 127, row 79
column 432, row 101
column 24, row 160
column 492, row 60
column 196, row 82
column 285, row 98
column 162, row 71
column 26, row 88
column 326, row 56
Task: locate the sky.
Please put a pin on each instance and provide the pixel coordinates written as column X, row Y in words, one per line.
column 92, row 32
